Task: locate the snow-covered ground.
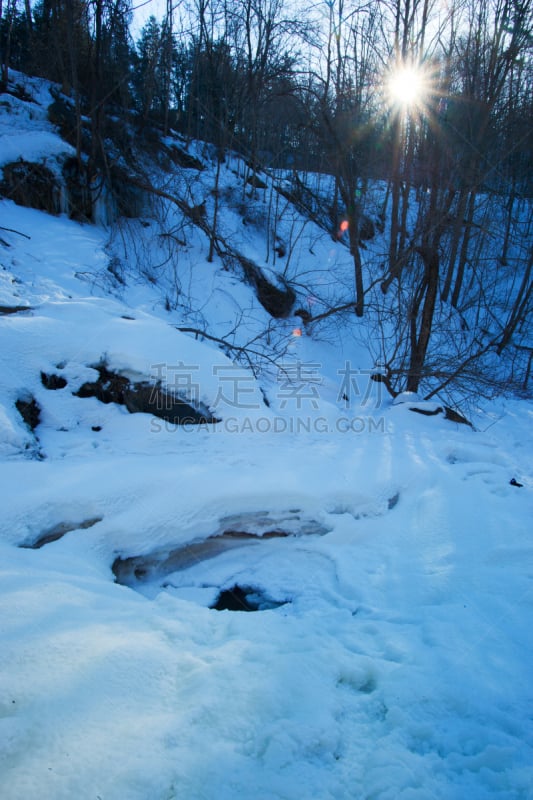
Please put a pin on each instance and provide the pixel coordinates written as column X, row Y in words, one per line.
column 391, row 653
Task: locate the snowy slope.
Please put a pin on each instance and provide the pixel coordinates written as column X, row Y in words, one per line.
column 391, row 655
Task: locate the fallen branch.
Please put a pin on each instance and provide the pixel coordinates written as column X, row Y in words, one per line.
column 14, row 309
column 12, row 230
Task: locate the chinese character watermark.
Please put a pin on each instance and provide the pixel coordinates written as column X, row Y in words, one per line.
column 299, row 383
column 234, row 385
column 350, row 386
column 299, row 387
column 174, row 381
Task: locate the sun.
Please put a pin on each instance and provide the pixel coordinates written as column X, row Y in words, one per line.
column 407, row 86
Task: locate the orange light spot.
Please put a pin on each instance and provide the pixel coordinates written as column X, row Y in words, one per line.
column 297, row 332
column 343, row 226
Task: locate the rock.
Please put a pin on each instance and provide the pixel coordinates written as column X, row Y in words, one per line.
column 58, row 531
column 236, row 530
column 184, row 159
column 77, row 182
column 454, row 416
column 143, row 397
column 130, row 199
column 146, row 398
column 14, row 309
column 277, row 301
column 53, row 382
column 280, row 248
column 31, row 185
column 134, row 570
column 255, row 182
column 63, row 114
column 304, row 315
column 29, row 410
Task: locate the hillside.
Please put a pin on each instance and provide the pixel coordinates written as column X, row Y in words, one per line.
column 183, row 439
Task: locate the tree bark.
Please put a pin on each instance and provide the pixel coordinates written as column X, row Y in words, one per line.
column 463, row 257
column 420, row 341
column 519, row 308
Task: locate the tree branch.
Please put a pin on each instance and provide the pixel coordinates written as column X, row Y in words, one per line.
column 12, row 230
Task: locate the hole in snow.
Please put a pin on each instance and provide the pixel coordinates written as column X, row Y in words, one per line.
column 245, row 598
column 181, row 570
column 393, row 501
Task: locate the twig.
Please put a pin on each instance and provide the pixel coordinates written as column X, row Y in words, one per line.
column 241, row 349
column 12, row 230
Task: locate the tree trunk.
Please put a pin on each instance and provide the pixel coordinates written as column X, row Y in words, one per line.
column 519, row 308
column 3, row 86
column 456, row 238
column 508, row 225
column 464, row 248
column 358, row 267
column 213, row 236
column 73, row 59
column 4, row 75
column 353, row 214
column 420, row 341
column 168, row 63
column 395, row 210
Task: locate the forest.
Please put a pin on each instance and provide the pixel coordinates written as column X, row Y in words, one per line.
column 419, row 110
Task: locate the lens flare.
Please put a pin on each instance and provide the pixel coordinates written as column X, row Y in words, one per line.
column 407, row 86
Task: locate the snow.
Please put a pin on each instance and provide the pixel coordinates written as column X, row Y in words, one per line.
column 399, row 663
column 31, row 146
column 25, row 132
